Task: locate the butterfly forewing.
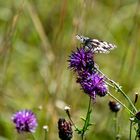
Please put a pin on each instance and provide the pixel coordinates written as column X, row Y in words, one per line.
column 95, row 45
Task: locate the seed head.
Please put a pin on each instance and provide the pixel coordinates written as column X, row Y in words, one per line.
column 65, row 129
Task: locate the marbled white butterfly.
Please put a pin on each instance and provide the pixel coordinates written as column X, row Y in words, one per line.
column 95, row 45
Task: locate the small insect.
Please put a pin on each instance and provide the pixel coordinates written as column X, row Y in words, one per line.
column 95, row 45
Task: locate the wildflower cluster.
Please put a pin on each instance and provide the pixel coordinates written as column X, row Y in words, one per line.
column 93, row 83
column 25, row 121
column 82, row 63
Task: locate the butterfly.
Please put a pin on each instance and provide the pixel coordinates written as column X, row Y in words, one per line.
column 95, row 45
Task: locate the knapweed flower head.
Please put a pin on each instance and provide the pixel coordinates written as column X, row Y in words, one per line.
column 81, row 60
column 65, row 129
column 114, row 106
column 25, row 121
column 93, row 84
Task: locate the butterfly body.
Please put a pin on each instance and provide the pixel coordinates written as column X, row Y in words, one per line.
column 95, row 45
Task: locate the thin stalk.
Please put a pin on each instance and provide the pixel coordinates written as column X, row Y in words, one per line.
column 33, row 136
column 82, row 136
column 109, row 84
column 131, row 121
column 136, row 137
column 73, row 123
column 130, row 131
column 128, row 99
column 116, row 125
column 45, row 135
column 45, row 138
column 116, row 86
column 121, row 103
column 83, row 131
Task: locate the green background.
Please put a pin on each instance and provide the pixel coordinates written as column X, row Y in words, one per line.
column 36, row 38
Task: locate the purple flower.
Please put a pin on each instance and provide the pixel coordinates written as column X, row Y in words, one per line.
column 25, row 121
column 81, row 60
column 93, row 84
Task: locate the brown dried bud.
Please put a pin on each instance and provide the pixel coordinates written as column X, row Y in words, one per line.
column 65, row 129
column 136, row 98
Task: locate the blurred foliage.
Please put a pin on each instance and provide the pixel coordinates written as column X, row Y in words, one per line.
column 36, row 38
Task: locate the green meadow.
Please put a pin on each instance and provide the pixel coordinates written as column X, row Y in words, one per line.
column 36, row 39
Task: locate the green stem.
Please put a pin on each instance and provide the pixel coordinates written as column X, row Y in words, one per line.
column 116, row 125
column 82, row 136
column 123, row 93
column 45, row 137
column 130, row 133
column 84, row 127
column 136, row 137
column 121, row 103
column 116, row 86
column 73, row 123
column 33, row 136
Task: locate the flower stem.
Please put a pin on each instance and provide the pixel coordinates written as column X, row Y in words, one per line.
column 117, row 136
column 136, row 137
column 76, row 129
column 121, row 103
column 116, row 86
column 87, row 117
column 45, row 135
column 116, row 125
column 33, row 136
column 130, row 131
column 123, row 93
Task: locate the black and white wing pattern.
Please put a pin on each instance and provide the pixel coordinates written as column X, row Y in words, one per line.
column 95, row 45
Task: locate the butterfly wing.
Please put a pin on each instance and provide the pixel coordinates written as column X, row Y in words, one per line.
column 95, row 45
column 82, row 39
column 100, row 46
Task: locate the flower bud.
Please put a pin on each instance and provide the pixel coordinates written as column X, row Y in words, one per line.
column 114, row 106
column 65, row 129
